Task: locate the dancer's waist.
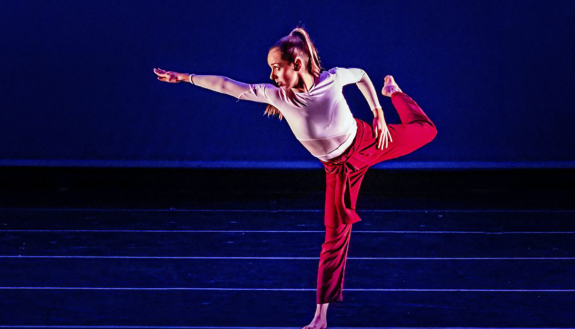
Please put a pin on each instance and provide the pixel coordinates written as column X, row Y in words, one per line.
column 340, row 147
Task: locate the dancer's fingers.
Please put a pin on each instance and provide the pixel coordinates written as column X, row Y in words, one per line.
column 384, row 140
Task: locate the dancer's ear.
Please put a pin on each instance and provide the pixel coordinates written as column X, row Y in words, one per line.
column 297, row 64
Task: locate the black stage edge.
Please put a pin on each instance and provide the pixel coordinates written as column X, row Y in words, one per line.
column 277, row 189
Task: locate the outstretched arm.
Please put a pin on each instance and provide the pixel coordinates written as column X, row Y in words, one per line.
column 231, row 87
column 217, row 83
column 211, row 82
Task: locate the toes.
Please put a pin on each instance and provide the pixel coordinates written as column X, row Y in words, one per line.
column 389, row 81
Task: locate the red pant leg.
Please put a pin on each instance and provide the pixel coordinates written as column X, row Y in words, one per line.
column 332, row 264
column 340, row 204
column 415, row 130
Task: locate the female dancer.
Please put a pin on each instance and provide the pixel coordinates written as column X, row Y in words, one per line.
column 312, row 102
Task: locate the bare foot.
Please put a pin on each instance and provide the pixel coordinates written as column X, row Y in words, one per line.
column 317, row 323
column 389, row 86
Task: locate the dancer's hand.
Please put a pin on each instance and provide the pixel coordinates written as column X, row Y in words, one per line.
column 381, row 131
column 169, row 76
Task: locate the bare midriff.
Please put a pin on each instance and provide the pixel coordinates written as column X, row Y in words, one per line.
column 323, row 146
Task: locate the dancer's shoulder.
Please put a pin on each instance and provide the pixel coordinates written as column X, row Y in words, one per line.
column 347, row 75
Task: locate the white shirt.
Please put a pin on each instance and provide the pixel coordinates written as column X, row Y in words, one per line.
column 324, row 114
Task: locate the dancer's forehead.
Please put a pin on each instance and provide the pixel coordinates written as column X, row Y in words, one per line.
column 274, row 58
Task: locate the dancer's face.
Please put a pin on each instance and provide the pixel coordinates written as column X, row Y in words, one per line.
column 283, row 72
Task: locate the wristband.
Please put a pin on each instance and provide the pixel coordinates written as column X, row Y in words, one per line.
column 191, row 80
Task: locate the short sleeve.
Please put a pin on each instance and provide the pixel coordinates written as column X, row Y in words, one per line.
column 345, row 76
column 259, row 92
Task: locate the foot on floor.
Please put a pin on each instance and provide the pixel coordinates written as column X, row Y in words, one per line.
column 316, row 323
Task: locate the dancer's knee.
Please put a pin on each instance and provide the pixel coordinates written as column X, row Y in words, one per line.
column 432, row 129
column 429, row 131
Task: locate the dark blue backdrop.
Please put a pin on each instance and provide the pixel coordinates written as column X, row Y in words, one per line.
column 496, row 77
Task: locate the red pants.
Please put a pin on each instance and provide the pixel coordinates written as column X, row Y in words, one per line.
column 344, row 175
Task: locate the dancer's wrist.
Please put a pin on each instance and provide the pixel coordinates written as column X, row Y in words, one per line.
column 377, row 111
column 184, row 77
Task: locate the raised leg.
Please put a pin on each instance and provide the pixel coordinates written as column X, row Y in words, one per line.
column 415, row 130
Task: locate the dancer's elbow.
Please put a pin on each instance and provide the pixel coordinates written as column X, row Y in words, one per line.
column 234, row 88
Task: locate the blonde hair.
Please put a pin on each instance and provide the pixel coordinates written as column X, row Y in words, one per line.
column 297, row 43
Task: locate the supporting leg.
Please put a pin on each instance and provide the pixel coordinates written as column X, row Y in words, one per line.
column 332, row 263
